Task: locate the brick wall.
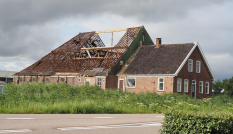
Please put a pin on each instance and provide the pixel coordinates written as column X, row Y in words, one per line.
column 204, row 76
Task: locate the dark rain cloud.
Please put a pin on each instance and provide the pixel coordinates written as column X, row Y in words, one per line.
column 31, row 27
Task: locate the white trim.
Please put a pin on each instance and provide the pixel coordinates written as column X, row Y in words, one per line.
column 187, row 86
column 180, row 85
column 199, row 66
column 119, row 84
column 148, row 75
column 127, row 81
column 208, row 66
column 187, row 57
column 159, row 83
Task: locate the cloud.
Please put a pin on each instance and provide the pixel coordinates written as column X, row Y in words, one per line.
column 30, row 29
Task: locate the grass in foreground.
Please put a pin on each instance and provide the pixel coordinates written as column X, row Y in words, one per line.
column 63, row 98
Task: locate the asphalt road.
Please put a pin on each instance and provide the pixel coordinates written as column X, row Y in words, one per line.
column 80, row 123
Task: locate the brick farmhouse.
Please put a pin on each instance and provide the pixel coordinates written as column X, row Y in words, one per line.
column 134, row 64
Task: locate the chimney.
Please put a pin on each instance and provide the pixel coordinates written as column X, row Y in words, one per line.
column 158, row 42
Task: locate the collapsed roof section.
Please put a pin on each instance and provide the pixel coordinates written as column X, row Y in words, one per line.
column 84, row 53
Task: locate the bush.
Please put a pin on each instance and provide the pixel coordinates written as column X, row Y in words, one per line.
column 197, row 123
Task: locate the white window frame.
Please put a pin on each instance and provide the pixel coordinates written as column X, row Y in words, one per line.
column 187, row 85
column 207, row 87
column 201, row 87
column 127, row 83
column 103, row 80
column 159, row 84
column 198, row 68
column 191, row 65
column 180, row 85
column 99, row 82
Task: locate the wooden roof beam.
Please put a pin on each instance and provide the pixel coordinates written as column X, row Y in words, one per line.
column 110, row 31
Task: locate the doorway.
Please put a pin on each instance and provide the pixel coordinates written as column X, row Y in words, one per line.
column 193, row 94
column 121, row 84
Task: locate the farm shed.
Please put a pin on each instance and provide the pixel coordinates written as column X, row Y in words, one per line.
column 134, row 64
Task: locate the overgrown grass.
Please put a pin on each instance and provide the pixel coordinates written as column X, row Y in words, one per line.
column 63, row 98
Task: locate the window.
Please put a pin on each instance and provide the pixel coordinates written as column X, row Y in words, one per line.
column 207, row 87
column 198, row 69
column 201, row 87
column 99, row 82
column 190, row 67
column 62, row 80
column 161, row 84
column 130, row 82
column 103, row 80
column 34, row 79
column 47, row 79
column 179, row 81
column 21, row 79
column 79, row 80
column 186, row 82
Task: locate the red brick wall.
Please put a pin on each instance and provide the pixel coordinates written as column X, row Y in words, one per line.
column 202, row 76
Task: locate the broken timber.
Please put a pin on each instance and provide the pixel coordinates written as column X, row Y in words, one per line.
column 84, row 52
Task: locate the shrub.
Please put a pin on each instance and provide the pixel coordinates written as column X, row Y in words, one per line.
column 198, row 122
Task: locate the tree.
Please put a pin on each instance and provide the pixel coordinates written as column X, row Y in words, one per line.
column 217, row 87
column 228, row 86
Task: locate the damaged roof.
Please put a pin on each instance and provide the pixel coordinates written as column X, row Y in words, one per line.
column 82, row 53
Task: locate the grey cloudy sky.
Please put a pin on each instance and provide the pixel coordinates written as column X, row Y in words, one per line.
column 29, row 29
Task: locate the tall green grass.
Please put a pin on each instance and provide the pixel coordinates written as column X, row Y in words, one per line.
column 63, row 98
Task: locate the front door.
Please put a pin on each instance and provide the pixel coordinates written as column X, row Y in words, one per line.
column 121, row 85
column 193, row 89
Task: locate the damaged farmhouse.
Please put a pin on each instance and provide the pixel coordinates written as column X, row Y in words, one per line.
column 134, row 64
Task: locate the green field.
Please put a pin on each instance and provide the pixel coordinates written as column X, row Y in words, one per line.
column 63, row 98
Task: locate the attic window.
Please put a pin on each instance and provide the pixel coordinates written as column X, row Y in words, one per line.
column 190, row 65
column 131, row 83
column 198, row 68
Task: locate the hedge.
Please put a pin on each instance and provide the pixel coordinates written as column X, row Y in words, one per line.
column 176, row 122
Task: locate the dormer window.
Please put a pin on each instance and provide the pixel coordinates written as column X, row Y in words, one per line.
column 198, row 68
column 190, row 65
